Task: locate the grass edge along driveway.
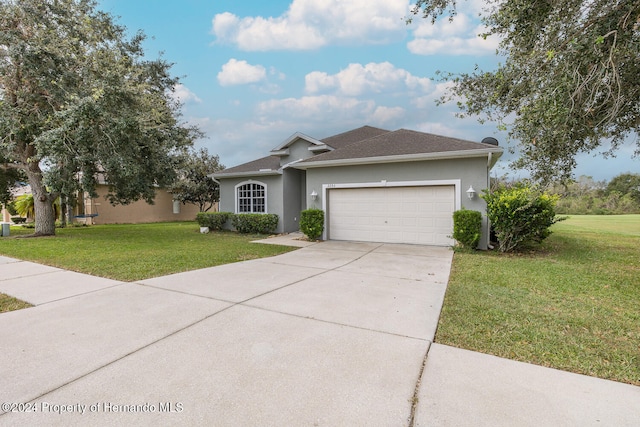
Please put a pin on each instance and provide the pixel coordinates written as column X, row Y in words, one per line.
column 572, row 305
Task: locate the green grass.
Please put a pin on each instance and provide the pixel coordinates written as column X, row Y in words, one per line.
column 572, row 305
column 8, row 303
column 134, row 252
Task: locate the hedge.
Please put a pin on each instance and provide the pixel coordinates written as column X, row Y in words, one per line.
column 312, row 223
column 255, row 223
column 520, row 216
column 467, row 228
column 214, row 220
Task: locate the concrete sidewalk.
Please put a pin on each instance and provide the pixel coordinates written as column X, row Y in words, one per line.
column 332, row 334
column 461, row 387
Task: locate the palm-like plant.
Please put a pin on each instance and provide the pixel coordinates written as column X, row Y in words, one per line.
column 24, row 205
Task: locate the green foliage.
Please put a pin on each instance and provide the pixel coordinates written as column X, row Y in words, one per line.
column 24, row 205
column 585, row 196
column 625, row 184
column 9, row 176
column 568, row 83
column 467, row 228
column 255, row 223
column 80, row 99
column 194, row 185
column 520, row 216
column 214, row 220
column 312, row 223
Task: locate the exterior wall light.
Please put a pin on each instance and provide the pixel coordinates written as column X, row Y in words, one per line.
column 471, row 193
column 314, row 195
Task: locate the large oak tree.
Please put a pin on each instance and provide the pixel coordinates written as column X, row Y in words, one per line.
column 80, row 104
column 570, row 82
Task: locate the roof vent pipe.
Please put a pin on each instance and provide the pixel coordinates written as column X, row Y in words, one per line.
column 491, row 141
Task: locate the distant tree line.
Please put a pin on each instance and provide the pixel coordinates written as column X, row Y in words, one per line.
column 586, row 196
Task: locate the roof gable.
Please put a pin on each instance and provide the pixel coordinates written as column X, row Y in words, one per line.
column 265, row 165
column 353, row 136
column 293, row 138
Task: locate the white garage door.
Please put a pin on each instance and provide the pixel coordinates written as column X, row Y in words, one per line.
column 417, row 215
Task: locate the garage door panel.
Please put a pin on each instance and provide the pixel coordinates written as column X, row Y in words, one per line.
column 420, row 215
column 409, row 222
column 443, row 223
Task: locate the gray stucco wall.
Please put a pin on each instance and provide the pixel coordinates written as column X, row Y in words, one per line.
column 293, row 187
column 299, row 150
column 274, row 195
column 470, row 172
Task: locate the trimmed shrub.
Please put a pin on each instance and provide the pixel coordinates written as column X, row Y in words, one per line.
column 255, row 223
column 312, row 223
column 520, row 216
column 467, row 228
column 214, row 220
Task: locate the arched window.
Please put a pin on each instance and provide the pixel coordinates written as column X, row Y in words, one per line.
column 251, row 197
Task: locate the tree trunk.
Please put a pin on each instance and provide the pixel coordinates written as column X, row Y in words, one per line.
column 63, row 210
column 42, row 202
column 69, row 212
column 45, row 216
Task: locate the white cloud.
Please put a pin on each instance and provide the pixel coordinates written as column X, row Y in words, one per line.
column 384, row 115
column 236, row 72
column 182, row 94
column 357, row 79
column 224, row 24
column 461, row 36
column 438, row 91
column 323, row 107
column 439, row 128
column 310, row 24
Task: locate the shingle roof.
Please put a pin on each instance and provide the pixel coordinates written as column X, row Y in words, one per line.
column 356, row 135
column 399, row 142
column 365, row 143
column 265, row 163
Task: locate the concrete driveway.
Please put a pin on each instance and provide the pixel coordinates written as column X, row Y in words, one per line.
column 334, row 334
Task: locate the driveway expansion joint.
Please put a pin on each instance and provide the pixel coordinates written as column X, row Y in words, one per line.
column 24, row 276
column 299, row 316
column 115, row 285
column 416, row 391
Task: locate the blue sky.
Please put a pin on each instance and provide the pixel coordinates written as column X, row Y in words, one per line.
column 255, row 72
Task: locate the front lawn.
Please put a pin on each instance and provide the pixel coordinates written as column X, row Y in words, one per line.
column 130, row 252
column 9, row 303
column 574, row 305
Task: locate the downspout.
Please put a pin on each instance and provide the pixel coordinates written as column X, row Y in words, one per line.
column 489, row 159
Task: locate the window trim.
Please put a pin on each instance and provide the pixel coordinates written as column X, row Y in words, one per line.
column 237, row 198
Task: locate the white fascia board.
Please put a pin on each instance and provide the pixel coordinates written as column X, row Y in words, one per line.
column 290, row 164
column 287, row 142
column 280, row 153
column 323, row 147
column 244, row 174
column 493, row 158
column 401, row 158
